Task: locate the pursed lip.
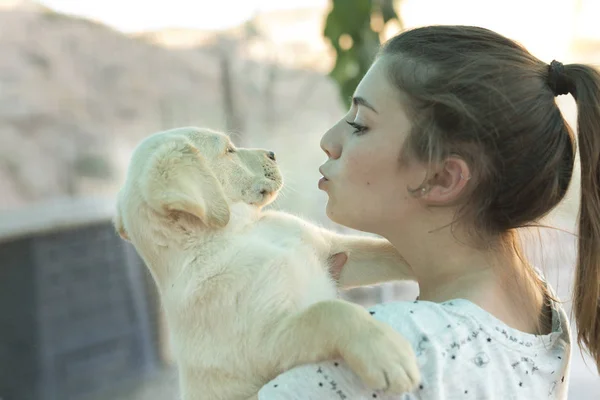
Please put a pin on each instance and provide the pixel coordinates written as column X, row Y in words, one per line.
column 323, row 173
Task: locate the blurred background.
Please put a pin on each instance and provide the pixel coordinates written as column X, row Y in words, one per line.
column 83, row 81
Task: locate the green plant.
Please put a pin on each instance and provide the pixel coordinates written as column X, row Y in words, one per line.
column 354, row 27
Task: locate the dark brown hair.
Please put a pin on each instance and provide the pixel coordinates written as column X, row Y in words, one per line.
column 476, row 94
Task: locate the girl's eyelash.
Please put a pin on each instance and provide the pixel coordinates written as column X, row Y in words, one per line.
column 358, row 128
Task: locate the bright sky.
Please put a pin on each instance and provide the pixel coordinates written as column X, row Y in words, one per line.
column 545, row 26
column 138, row 15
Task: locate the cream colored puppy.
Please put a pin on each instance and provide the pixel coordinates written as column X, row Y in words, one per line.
column 247, row 293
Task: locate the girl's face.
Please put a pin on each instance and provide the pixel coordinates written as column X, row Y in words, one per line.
column 363, row 177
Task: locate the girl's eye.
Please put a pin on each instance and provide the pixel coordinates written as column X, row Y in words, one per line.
column 358, row 128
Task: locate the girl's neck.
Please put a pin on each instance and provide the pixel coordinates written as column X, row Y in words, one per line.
column 496, row 279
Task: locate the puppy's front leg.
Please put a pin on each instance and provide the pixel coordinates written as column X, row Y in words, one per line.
column 370, row 261
column 379, row 355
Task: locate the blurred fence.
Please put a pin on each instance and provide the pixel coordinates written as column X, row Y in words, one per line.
column 78, row 311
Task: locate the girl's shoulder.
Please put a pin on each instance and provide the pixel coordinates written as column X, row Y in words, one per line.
column 462, row 351
column 461, row 321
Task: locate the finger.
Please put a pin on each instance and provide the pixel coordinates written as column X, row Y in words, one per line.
column 336, row 264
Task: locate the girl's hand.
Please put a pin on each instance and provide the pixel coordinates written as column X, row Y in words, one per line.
column 336, row 264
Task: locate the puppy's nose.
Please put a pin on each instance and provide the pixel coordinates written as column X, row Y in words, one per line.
column 271, row 155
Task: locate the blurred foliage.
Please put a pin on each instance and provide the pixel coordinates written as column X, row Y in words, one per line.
column 353, row 28
column 93, row 166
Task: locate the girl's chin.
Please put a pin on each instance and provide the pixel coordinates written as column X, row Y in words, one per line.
column 330, row 212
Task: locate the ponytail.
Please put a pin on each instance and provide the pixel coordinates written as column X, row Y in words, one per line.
column 585, row 88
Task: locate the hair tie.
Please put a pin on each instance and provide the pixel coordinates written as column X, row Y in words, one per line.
column 557, row 80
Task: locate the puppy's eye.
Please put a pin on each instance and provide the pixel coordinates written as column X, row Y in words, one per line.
column 230, row 149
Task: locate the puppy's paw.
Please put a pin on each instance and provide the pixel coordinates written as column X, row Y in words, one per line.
column 382, row 358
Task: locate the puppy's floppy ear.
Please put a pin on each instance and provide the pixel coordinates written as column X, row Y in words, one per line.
column 118, row 221
column 178, row 179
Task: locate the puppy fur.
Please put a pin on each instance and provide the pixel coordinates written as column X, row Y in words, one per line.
column 247, row 292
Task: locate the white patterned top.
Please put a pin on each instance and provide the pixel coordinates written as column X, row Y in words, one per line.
column 463, row 353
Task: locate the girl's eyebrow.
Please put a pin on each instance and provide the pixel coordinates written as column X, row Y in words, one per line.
column 359, row 101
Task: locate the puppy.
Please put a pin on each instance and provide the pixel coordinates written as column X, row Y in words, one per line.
column 247, row 293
